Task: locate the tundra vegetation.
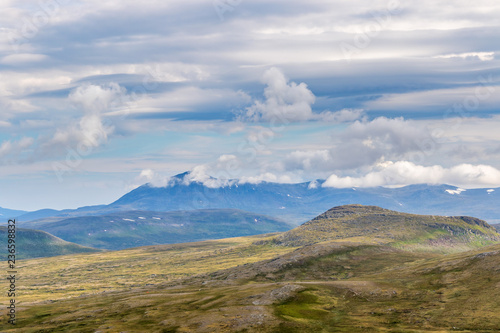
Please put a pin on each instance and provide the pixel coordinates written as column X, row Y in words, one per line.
column 352, row 269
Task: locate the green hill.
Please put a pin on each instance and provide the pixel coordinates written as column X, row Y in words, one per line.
column 123, row 230
column 320, row 277
column 34, row 243
column 375, row 225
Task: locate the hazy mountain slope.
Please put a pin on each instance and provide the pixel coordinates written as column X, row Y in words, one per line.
column 294, row 203
column 35, row 243
column 6, row 214
column 139, row 228
column 61, row 214
column 298, row 203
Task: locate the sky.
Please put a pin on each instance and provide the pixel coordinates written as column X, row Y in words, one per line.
column 99, row 97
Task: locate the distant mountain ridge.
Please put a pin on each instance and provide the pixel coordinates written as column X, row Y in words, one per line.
column 121, row 230
column 297, row 203
column 294, row 203
column 11, row 213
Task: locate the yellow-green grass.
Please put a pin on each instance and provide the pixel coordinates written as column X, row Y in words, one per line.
column 73, row 275
column 390, row 291
column 389, row 272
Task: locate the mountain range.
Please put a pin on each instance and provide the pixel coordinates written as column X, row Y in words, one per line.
column 121, row 230
column 298, row 203
column 11, row 213
column 293, row 203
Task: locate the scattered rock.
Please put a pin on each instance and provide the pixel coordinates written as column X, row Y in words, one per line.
column 278, row 295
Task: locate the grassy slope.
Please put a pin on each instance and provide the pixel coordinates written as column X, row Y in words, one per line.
column 371, row 224
column 140, row 228
column 389, row 290
column 331, row 286
column 35, row 243
column 74, row 275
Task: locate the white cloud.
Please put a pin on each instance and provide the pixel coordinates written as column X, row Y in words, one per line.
column 342, row 116
column 454, row 102
column 405, row 173
column 310, row 160
column 457, row 191
column 265, row 177
column 221, row 173
column 204, row 64
column 391, row 135
column 190, row 99
column 211, row 175
column 284, row 102
column 151, row 177
column 364, row 143
column 90, row 131
column 483, row 56
column 9, row 147
column 97, row 98
column 287, row 102
column 22, row 58
column 201, row 174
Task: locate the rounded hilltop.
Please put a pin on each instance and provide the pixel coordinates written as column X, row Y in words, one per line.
column 354, row 209
column 376, row 225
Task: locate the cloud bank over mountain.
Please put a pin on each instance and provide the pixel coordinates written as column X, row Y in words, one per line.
column 93, row 93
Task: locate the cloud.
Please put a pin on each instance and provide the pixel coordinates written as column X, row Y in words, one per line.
column 14, row 148
column 212, row 175
column 22, row 58
column 227, row 170
column 188, row 99
column 219, row 173
column 151, row 177
column 265, row 177
column 483, row 56
column 400, row 173
column 416, row 62
column 287, row 102
column 481, row 96
column 342, row 116
column 97, row 98
column 405, row 173
column 390, row 135
column 310, row 160
column 89, row 131
column 364, row 143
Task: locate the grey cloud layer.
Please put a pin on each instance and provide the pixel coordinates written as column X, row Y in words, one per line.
column 363, row 144
column 382, row 81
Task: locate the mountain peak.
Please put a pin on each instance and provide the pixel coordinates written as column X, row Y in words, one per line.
column 181, row 175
